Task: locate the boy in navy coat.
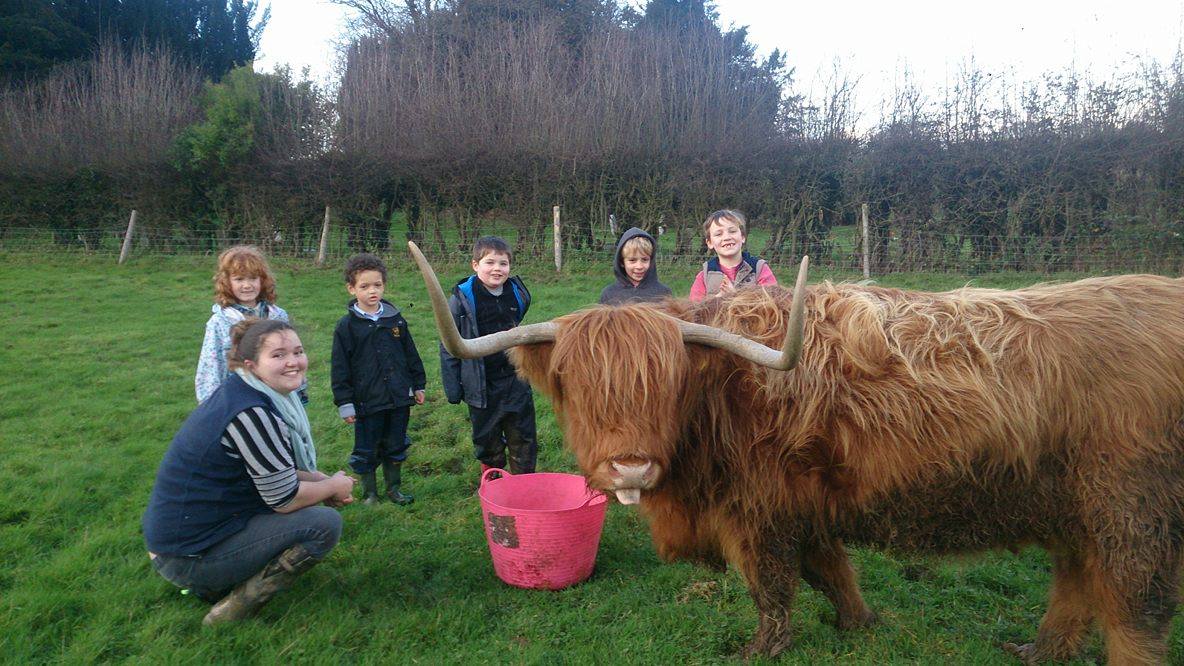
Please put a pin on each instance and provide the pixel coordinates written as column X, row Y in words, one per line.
column 377, row 375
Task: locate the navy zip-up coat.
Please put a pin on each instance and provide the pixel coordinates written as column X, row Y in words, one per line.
column 202, row 496
column 464, row 379
column 375, row 363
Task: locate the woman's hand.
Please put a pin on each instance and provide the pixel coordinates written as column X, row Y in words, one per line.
column 343, row 487
column 336, row 490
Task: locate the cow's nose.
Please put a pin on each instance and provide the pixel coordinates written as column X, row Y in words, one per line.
column 631, row 476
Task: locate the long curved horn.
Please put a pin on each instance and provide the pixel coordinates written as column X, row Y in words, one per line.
column 476, row 347
column 784, row 359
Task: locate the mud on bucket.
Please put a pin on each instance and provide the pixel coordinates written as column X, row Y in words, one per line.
column 543, row 529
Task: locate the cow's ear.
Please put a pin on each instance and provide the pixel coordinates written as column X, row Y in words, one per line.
column 534, row 365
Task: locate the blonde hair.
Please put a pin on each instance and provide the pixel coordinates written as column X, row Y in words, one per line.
column 247, row 261
column 637, row 245
column 725, row 214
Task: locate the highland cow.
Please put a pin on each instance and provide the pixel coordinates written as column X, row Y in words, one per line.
column 939, row 423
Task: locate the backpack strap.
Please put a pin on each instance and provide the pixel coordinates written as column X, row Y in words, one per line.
column 521, row 303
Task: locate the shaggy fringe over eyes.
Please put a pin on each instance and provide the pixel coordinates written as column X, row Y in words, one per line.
column 631, row 372
column 625, row 367
column 246, row 261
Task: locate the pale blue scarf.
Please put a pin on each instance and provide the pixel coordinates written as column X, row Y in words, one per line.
column 292, row 411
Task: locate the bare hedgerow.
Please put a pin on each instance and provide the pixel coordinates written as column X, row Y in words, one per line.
column 115, row 113
column 519, row 90
column 511, row 117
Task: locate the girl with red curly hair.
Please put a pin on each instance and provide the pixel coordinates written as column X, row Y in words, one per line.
column 243, row 287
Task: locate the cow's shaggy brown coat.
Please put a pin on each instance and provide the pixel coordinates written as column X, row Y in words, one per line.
column 950, row 422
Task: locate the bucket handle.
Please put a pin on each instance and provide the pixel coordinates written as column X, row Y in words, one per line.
column 487, row 475
column 592, row 495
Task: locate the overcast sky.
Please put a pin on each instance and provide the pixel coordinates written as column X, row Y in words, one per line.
column 874, row 41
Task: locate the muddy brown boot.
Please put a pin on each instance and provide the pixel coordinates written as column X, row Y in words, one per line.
column 392, row 472
column 369, row 488
column 251, row 594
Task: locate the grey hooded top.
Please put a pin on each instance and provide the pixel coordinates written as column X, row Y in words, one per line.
column 623, row 291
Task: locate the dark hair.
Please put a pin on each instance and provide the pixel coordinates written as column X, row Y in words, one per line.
column 247, row 336
column 363, row 262
column 488, row 244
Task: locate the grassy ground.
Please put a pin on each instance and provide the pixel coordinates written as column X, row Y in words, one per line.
column 98, row 367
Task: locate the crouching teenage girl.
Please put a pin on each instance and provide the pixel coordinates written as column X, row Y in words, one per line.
column 230, row 516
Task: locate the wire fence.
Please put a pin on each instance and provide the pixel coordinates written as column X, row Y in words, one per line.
column 840, row 251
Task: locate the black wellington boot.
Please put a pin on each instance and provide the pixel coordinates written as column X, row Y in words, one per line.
column 369, row 488
column 244, row 600
column 393, row 473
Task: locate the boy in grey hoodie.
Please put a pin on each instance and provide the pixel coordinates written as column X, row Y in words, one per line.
column 637, row 275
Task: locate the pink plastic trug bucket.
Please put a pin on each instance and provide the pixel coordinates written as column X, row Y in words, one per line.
column 543, row 529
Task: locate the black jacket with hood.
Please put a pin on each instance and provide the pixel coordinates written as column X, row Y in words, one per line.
column 464, row 379
column 623, row 291
column 375, row 363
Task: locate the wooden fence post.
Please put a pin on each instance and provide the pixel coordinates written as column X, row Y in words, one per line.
column 867, row 248
column 558, row 240
column 324, row 240
column 127, row 238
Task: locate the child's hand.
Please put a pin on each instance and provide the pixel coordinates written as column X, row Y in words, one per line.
column 727, row 286
column 419, row 397
column 349, row 419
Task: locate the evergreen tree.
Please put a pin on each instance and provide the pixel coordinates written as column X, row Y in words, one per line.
column 34, row 37
column 218, row 35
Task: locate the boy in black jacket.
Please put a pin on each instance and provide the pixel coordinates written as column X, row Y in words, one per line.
column 377, row 376
column 501, row 406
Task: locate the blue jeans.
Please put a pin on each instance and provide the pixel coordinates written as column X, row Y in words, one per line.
column 238, row 557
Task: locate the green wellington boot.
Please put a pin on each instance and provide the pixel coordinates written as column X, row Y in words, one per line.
column 244, row 600
column 369, row 488
column 393, row 473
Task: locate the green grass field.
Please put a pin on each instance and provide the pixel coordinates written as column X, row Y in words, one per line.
column 98, row 367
